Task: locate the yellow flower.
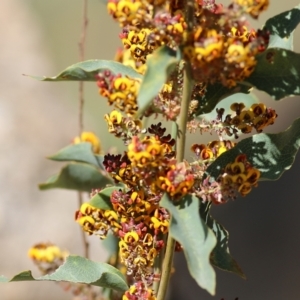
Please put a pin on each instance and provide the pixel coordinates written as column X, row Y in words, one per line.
column 89, row 137
column 131, row 236
column 258, row 109
column 253, row 7
column 236, row 53
column 159, row 225
column 46, row 253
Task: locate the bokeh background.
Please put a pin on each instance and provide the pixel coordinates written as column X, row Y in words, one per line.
column 39, row 37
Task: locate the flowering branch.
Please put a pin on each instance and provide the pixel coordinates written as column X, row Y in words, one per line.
column 180, row 145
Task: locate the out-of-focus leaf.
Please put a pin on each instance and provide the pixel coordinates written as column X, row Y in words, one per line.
column 102, row 200
column 285, row 23
column 111, row 243
column 80, row 270
column 159, row 66
column 81, row 152
column 196, row 238
column 277, row 73
column 220, row 256
column 3, row 279
column 272, row 154
column 214, row 94
column 87, row 71
column 77, row 176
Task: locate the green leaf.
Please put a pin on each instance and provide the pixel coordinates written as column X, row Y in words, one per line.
column 159, row 66
column 81, row 152
column 77, row 176
column 87, row 71
column 284, row 43
column 111, row 244
column 285, row 23
column 196, row 238
column 214, row 94
column 277, row 73
column 23, row 276
column 281, row 28
column 220, row 256
column 102, row 199
column 272, row 154
column 78, row 269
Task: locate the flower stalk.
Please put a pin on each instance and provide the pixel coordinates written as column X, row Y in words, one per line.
column 180, row 147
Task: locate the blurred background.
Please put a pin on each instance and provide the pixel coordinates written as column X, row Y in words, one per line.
column 41, row 37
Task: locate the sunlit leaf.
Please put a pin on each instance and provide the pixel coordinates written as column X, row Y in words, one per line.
column 285, row 23
column 220, row 256
column 214, row 94
column 159, row 66
column 272, row 154
column 78, row 269
column 81, row 152
column 77, row 176
column 277, row 73
column 196, row 238
column 87, row 71
column 284, row 43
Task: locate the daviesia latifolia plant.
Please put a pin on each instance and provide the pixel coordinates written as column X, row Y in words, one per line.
column 179, row 61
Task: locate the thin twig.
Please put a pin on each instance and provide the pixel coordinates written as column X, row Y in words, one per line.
column 81, row 57
column 81, row 104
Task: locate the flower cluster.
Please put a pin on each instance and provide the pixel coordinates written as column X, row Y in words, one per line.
column 253, row 7
column 48, row 257
column 89, row 137
column 177, row 181
column 130, row 12
column 238, row 177
column 146, row 171
column 122, row 127
column 168, row 101
column 219, row 47
column 243, row 120
column 124, row 56
column 212, row 150
column 257, row 117
column 120, row 91
column 222, row 48
column 96, row 221
column 139, row 43
column 139, row 291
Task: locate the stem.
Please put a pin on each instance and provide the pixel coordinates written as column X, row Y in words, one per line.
column 167, row 267
column 180, row 145
column 158, row 266
column 81, row 104
column 81, row 57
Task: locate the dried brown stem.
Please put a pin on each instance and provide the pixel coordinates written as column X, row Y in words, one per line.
column 81, row 45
